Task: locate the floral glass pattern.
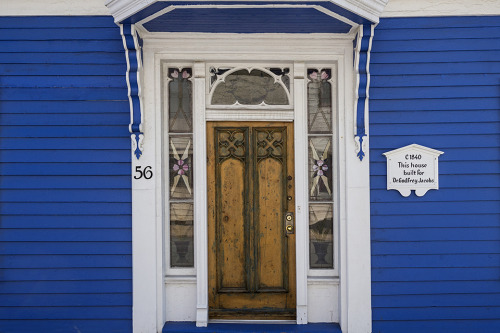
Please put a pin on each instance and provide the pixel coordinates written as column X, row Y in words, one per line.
column 321, row 236
column 320, row 168
column 180, row 100
column 180, row 165
column 319, row 101
column 181, row 235
column 321, row 87
column 250, row 87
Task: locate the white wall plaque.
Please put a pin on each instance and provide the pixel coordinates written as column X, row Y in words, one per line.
column 412, row 167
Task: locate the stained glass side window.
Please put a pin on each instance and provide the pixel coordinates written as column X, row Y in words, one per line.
column 321, row 235
column 180, row 166
column 320, row 168
column 180, row 100
column 181, row 235
column 320, row 101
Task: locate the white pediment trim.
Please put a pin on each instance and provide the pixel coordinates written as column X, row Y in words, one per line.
column 414, row 146
column 369, row 9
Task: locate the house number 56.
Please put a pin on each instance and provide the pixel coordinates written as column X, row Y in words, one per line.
column 147, row 173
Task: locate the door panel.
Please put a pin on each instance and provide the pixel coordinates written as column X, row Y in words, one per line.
column 250, row 188
column 232, row 208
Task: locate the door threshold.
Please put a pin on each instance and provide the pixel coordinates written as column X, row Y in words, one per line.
column 248, row 327
column 263, row 321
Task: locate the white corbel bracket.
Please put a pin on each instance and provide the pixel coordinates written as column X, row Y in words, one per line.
column 133, row 54
column 362, row 69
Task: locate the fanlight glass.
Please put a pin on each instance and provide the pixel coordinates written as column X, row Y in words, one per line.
column 250, row 87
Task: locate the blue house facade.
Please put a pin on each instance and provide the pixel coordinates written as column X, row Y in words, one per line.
column 114, row 220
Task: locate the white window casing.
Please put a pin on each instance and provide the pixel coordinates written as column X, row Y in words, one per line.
column 155, row 285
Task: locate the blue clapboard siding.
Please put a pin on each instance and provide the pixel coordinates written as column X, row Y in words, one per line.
column 65, row 189
column 247, row 20
column 436, row 259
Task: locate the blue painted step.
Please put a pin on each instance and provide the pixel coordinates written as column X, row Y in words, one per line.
column 190, row 327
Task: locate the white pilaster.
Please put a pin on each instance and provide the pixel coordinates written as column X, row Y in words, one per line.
column 301, row 189
column 145, row 275
column 356, row 275
column 200, row 195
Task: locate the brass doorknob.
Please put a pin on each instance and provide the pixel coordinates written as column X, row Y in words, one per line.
column 289, row 228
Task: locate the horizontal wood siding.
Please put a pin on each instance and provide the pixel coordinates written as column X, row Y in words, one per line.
column 436, row 258
column 65, row 188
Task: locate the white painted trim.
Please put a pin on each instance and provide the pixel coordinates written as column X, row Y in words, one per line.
column 423, row 8
column 151, row 103
column 323, row 281
column 53, row 7
column 394, row 8
column 147, row 274
column 301, row 190
column 249, row 115
column 353, row 293
column 357, row 49
column 200, row 194
column 355, row 277
column 345, row 104
column 239, row 38
column 428, row 150
column 368, row 81
column 369, row 9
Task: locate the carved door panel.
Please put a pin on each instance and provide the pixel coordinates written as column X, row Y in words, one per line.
column 251, row 259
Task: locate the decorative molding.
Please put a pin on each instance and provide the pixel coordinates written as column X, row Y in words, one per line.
column 369, row 9
column 53, row 8
column 421, row 8
column 362, row 70
column 249, row 115
column 133, row 55
column 121, row 9
column 353, row 177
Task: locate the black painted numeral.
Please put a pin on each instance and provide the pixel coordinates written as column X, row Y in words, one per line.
column 147, row 172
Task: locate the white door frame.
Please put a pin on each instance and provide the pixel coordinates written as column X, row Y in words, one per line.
column 148, row 211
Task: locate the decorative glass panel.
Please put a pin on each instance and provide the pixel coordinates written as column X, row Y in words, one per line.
column 180, row 100
column 320, row 168
column 319, row 101
column 181, row 235
column 250, row 86
column 321, row 236
column 180, row 165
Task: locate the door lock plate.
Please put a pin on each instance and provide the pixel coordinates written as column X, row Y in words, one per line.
column 289, row 223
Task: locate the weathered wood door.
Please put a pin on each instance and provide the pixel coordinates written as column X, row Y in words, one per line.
column 251, row 259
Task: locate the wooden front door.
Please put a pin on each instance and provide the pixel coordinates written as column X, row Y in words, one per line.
column 251, row 254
